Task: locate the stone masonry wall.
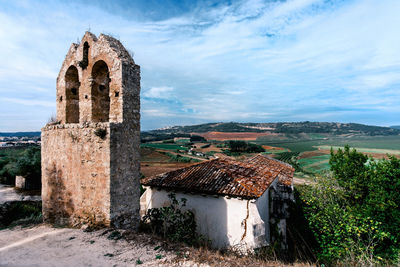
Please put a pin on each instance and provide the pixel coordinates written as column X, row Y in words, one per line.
column 90, row 170
column 75, row 183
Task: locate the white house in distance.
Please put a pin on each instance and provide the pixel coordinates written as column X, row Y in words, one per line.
column 235, row 203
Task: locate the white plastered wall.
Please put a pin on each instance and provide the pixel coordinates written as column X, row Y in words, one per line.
column 224, row 221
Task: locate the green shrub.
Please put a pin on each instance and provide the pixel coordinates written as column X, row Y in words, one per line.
column 20, row 213
column 172, row 222
column 244, row 147
column 355, row 212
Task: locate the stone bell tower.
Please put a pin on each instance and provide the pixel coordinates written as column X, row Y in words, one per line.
column 90, row 155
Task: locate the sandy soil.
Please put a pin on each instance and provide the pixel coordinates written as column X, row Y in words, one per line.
column 47, row 246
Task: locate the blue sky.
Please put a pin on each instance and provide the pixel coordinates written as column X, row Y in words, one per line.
column 207, row 61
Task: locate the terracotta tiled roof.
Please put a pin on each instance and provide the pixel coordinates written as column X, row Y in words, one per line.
column 286, row 170
column 222, row 177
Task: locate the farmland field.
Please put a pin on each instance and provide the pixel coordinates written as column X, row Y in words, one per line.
column 316, row 164
column 366, row 150
column 301, row 145
column 164, row 146
column 314, row 153
column 153, row 162
column 222, row 136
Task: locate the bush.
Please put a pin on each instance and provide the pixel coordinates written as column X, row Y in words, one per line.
column 355, row 212
column 24, row 162
column 20, row 213
column 29, row 166
column 171, row 222
column 197, row 138
column 244, row 147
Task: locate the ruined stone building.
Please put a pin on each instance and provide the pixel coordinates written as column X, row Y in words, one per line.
column 90, row 155
column 240, row 204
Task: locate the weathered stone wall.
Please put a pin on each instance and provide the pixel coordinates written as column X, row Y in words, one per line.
column 75, row 180
column 90, row 169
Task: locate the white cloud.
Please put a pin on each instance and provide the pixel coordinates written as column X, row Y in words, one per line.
column 249, row 60
column 163, row 92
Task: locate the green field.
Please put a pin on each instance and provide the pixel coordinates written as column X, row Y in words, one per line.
column 164, row 146
column 316, row 164
column 301, row 145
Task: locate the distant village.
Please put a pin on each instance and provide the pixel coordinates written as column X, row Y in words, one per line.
column 14, row 141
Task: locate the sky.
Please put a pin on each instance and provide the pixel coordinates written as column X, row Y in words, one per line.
column 213, row 61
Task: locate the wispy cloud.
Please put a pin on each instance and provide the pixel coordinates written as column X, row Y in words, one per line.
column 248, row 60
column 163, row 92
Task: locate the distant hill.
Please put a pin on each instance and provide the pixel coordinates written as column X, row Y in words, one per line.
column 20, row 134
column 284, row 127
column 395, row 127
column 330, row 128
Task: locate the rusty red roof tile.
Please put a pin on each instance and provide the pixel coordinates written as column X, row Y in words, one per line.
column 286, row 170
column 249, row 179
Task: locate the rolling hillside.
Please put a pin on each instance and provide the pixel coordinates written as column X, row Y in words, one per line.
column 291, row 129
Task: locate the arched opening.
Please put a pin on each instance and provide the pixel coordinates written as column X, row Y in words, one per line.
column 72, row 95
column 85, row 57
column 100, row 92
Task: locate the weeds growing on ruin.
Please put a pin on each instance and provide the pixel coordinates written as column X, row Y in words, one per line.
column 172, row 222
column 100, row 133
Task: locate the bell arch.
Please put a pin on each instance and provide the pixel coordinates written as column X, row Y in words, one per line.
column 72, row 95
column 100, row 92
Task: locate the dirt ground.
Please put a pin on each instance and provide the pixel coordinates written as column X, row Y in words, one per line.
column 44, row 245
column 9, row 193
column 154, row 168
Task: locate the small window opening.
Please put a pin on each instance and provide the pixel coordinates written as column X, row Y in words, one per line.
column 116, row 94
column 86, row 97
column 74, row 91
column 60, row 98
column 85, row 57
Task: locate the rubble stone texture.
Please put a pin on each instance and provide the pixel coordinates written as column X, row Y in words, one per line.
column 90, row 156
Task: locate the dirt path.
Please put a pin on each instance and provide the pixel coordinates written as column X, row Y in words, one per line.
column 47, row 246
column 8, row 193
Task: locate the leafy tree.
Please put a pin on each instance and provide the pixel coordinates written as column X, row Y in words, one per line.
column 197, row 138
column 351, row 171
column 355, row 214
column 242, row 146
